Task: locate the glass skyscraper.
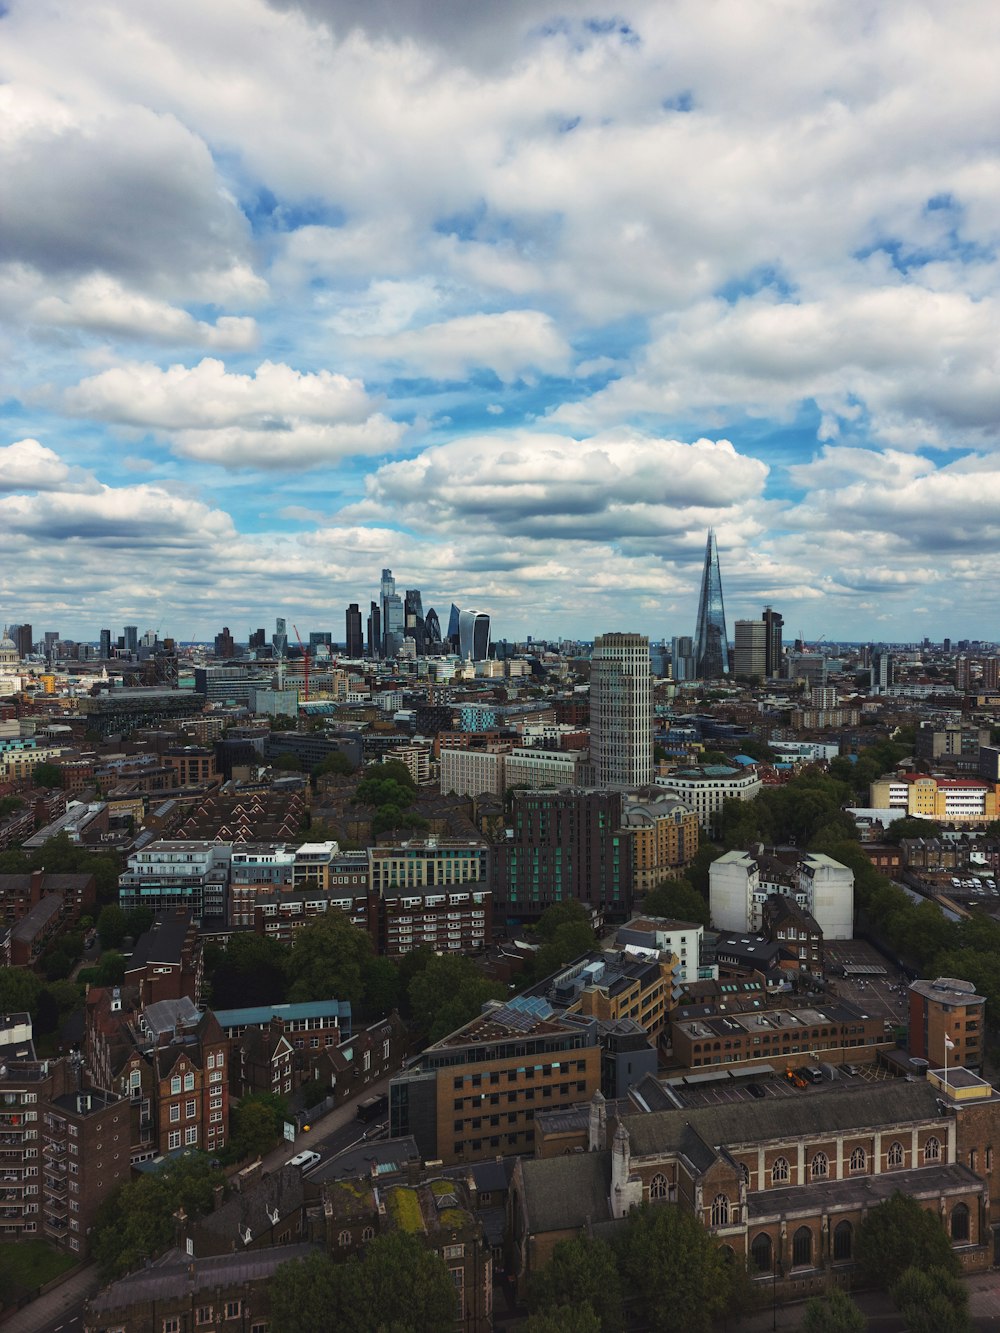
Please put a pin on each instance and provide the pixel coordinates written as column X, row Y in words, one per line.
column 711, row 643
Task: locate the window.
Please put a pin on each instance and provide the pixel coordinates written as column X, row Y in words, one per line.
column 204, row 1314
column 175, row 1084
column 190, row 1108
column 233, row 1309
column 932, row 1150
column 344, row 1239
column 191, row 1135
column 960, row 1222
column 173, row 1140
column 894, row 1157
column 762, row 1253
column 745, row 1173
column 172, row 1324
column 802, row 1243
column 720, row 1211
column 368, row 1234
column 820, row 1166
column 658, row 1186
column 175, row 1112
column 859, row 1160
column 843, row 1240
column 779, row 1171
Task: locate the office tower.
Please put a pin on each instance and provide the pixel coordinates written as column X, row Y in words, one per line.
column 392, row 615
column 773, row 625
column 946, row 645
column 682, row 657
column 750, row 653
column 432, row 630
column 105, row 649
column 413, row 625
column 258, row 639
column 453, row 636
column 51, row 639
column 374, row 631
column 354, row 639
column 23, row 640
column 621, row 711
column 279, row 638
column 473, row 636
column 711, row 645
column 131, row 639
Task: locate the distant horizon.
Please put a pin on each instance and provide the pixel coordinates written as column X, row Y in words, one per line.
column 538, row 297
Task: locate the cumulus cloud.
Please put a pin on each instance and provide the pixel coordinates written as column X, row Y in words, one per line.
column 598, row 488
column 27, row 465
column 512, row 344
column 276, row 418
column 101, row 304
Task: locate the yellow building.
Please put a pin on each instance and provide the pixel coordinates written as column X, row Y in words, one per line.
column 665, row 837
column 946, row 800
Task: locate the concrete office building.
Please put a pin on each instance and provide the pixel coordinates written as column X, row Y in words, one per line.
column 621, row 711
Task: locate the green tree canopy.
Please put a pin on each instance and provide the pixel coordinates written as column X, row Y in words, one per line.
column 448, row 992
column 287, row 762
column 932, row 1301
column 380, row 978
column 583, row 1272
column 564, row 1319
column 833, row 1312
column 327, row 959
column 136, row 1222
column 898, row 1234
column 19, row 990
column 47, row 775
column 399, row 1286
column 676, row 1276
column 256, row 1124
column 676, row 898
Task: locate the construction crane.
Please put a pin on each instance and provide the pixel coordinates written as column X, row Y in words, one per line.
column 305, row 658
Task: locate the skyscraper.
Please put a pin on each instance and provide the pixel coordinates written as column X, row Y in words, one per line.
column 354, row 640
column 711, row 644
column 621, row 711
column 750, row 652
column 374, row 631
column 131, row 639
column 280, row 636
column 432, row 630
column 413, row 624
column 773, row 653
column 105, row 649
column 473, row 636
column 682, row 657
column 392, row 615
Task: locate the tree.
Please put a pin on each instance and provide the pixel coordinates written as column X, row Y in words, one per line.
column 583, row 1272
column 898, row 1234
column 327, row 959
column 288, row 762
column 399, row 1286
column 676, row 898
column 253, row 970
column 111, row 927
column 9, row 805
column 697, row 872
column 932, row 1301
column 569, row 912
column 304, row 1293
column 19, row 990
column 675, row 1274
column 564, row 1319
column 833, row 1312
column 256, row 1124
column 136, row 1222
column 47, row 775
column 337, row 763
column 449, row 992
column 380, row 979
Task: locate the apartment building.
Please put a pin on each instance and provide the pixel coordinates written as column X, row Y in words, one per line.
column 665, row 837
column 947, row 1022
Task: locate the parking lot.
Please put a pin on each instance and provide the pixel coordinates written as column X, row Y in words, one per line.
column 885, row 996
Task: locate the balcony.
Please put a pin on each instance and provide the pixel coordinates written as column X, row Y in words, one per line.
column 55, row 1207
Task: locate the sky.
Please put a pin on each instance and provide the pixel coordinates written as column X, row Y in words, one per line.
column 516, row 299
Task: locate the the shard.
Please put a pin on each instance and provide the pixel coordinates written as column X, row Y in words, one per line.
column 711, row 643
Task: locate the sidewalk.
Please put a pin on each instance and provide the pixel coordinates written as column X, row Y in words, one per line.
column 49, row 1311
column 332, row 1121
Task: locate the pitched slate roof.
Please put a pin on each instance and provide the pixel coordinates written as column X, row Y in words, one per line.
column 888, row 1103
column 563, row 1193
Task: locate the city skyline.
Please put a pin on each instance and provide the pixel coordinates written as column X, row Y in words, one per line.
column 518, row 301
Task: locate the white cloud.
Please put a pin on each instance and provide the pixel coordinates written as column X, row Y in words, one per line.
column 27, row 465
column 101, row 304
column 512, row 344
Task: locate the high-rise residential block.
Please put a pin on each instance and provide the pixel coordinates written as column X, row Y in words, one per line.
column 773, row 651
column 621, row 711
column 711, row 643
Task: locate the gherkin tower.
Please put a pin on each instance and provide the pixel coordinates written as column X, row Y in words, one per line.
column 711, row 643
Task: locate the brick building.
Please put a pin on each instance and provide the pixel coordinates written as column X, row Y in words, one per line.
column 947, row 1009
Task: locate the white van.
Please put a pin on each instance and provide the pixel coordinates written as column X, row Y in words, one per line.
column 305, row 1160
